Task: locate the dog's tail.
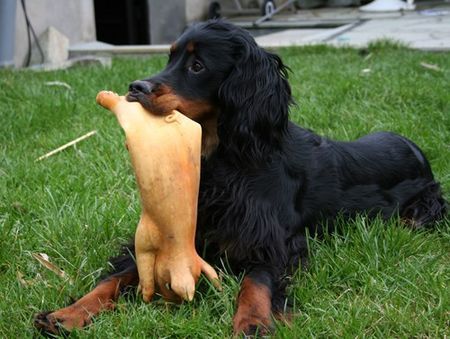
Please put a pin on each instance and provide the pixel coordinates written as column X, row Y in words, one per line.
column 426, row 207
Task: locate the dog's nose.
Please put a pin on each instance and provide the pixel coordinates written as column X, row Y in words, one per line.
column 141, row 86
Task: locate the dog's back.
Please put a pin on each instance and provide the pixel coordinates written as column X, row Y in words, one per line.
column 380, row 173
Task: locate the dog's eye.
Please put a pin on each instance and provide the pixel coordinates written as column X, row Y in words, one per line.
column 196, row 67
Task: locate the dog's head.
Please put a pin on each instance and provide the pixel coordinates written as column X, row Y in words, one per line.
column 199, row 62
column 218, row 76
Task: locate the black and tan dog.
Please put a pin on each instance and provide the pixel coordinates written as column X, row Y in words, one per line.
column 264, row 180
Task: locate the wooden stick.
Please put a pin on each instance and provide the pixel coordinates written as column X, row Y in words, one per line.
column 63, row 147
column 430, row 66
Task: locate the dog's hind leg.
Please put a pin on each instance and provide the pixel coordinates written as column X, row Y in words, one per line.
column 426, row 207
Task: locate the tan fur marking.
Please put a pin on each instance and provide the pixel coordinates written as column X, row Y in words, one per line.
column 163, row 101
column 254, row 308
column 190, row 47
column 80, row 314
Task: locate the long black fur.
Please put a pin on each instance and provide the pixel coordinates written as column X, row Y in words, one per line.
column 268, row 180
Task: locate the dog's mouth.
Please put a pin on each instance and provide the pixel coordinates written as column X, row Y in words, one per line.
column 164, row 100
column 134, row 96
column 157, row 104
column 142, row 98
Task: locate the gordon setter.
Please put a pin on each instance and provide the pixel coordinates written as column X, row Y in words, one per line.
column 265, row 182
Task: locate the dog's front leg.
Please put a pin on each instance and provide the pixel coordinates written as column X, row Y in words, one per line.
column 254, row 305
column 81, row 312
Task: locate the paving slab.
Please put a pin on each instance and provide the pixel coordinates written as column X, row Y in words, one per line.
column 417, row 31
column 298, row 37
column 427, row 29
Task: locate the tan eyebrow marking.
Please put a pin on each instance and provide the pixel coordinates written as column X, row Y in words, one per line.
column 190, row 47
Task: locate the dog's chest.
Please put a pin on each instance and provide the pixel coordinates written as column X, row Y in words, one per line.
column 235, row 205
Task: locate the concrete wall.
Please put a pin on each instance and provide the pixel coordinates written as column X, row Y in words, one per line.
column 196, row 10
column 73, row 18
column 245, row 3
column 168, row 18
column 76, row 20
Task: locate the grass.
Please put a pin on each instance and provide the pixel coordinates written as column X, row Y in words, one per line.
column 375, row 279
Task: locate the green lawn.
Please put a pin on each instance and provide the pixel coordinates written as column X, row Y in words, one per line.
column 375, row 279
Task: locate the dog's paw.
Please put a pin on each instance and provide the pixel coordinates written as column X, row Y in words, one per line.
column 62, row 321
column 252, row 325
column 48, row 324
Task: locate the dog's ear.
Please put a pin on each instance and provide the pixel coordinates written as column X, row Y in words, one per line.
column 254, row 99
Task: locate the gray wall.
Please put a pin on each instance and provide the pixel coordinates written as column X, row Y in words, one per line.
column 73, row 18
column 168, row 18
column 196, row 10
column 76, row 20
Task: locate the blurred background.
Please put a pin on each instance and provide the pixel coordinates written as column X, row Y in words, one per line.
column 36, row 32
